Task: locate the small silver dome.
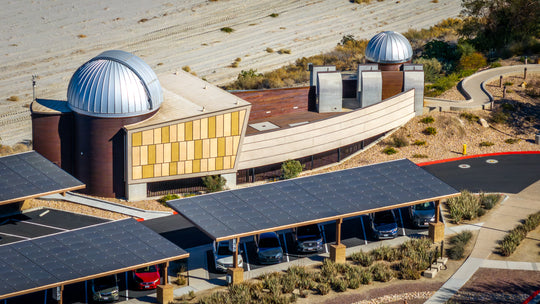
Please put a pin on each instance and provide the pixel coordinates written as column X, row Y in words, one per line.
column 389, row 47
column 114, row 84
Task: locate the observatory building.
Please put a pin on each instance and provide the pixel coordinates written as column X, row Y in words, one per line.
column 125, row 132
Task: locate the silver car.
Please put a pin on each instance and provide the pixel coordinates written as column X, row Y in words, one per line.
column 105, row 289
column 268, row 248
column 223, row 256
column 422, row 214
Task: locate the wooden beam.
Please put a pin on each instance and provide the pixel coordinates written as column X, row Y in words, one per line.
column 437, row 210
column 61, row 299
column 165, row 273
column 339, row 221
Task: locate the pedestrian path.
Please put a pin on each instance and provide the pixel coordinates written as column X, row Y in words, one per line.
column 474, row 90
column 497, row 224
column 109, row 206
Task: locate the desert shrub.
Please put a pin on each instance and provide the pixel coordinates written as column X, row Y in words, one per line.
column 488, row 201
column 329, row 269
column 512, row 141
column 382, row 272
column 291, row 168
column 418, row 250
column 427, row 120
column 354, row 283
column 463, row 207
column 430, row 131
column 284, row 51
column 442, row 84
column 419, row 143
column 473, row 61
column 486, row 144
column 365, row 276
column 420, row 155
column 168, row 197
column 363, row 258
column 385, row 253
column 273, row 15
column 269, row 50
column 389, row 151
column 235, row 64
column 399, row 141
column 214, row 183
column 432, row 68
column 362, row 1
column 323, row 288
column 288, row 283
column 339, row 284
column 13, row 98
column 469, row 116
column 458, row 242
column 186, row 68
column 239, row 293
column 227, row 29
column 456, row 252
column 463, row 237
column 495, row 64
column 499, row 116
column 408, row 269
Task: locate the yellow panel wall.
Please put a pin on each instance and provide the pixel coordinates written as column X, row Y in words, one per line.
column 197, row 146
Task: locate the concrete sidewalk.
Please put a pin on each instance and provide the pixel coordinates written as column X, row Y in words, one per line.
column 497, row 224
column 473, row 89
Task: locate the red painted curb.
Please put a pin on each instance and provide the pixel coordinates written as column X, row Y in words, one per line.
column 474, row 156
column 531, row 297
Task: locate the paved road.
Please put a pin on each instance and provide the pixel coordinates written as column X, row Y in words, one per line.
column 501, row 173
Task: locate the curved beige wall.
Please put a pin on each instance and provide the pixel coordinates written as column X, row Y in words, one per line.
column 332, row 133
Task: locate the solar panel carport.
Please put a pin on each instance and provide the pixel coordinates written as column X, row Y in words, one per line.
column 28, row 175
column 80, row 255
column 312, row 199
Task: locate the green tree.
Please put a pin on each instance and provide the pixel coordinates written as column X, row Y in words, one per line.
column 432, row 68
column 501, row 24
column 291, row 168
column 214, row 183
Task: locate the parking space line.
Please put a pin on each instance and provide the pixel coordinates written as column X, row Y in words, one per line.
column 363, row 229
column 285, row 242
column 42, row 225
column 17, row 236
column 324, row 239
column 402, row 226
column 247, row 259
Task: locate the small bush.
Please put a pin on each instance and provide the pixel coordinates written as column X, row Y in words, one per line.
column 511, row 241
column 214, row 183
column 382, row 272
column 430, row 131
column 164, row 199
column 288, row 283
column 273, row 15
column 366, row 277
column 420, row 156
column 384, row 253
column 291, row 168
column 512, row 141
column 399, row 141
column 284, row 51
column 81, row 36
column 499, row 116
column 339, row 284
column 269, row 50
column 419, row 143
column 389, row 151
column 323, row 288
column 427, row 120
column 456, row 252
column 495, row 64
column 463, row 237
column 186, row 68
column 469, row 117
column 486, row 144
column 13, row 98
column 235, row 64
column 329, row 269
column 488, row 201
column 407, row 269
column 463, row 207
column 508, row 83
column 226, row 29
column 363, row 258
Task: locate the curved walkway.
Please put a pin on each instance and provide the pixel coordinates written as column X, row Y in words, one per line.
column 473, row 88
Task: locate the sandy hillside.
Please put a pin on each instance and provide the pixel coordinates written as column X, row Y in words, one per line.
column 53, row 38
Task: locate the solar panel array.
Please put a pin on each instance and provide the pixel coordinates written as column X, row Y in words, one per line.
column 310, row 198
column 80, row 253
column 27, row 174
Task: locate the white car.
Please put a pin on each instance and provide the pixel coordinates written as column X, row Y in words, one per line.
column 223, row 256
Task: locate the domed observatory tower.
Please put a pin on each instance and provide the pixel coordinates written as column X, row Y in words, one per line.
column 388, row 71
column 111, row 90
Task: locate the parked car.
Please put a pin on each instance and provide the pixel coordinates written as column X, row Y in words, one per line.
column 308, row 238
column 223, row 256
column 147, row 277
column 422, row 214
column 384, row 224
column 268, row 248
column 105, row 289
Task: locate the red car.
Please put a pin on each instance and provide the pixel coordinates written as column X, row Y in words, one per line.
column 147, row 277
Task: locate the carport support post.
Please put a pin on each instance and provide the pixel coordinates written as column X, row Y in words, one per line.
column 337, row 251
column 61, row 298
column 236, row 273
column 165, row 292
column 436, row 230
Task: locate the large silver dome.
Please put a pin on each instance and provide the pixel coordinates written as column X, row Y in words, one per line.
column 389, row 47
column 114, row 84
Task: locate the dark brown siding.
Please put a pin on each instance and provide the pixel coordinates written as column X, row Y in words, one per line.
column 275, row 101
column 52, row 137
column 392, row 83
column 99, row 153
